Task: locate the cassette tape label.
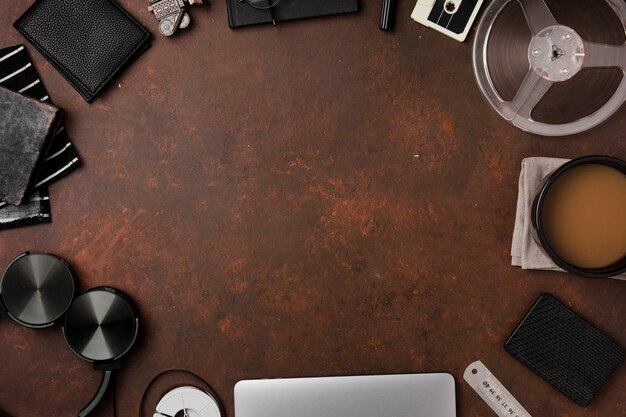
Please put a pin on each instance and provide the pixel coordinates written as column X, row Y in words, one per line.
column 454, row 15
column 450, row 17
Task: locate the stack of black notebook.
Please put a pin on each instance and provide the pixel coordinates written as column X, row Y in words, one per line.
column 240, row 13
column 34, row 148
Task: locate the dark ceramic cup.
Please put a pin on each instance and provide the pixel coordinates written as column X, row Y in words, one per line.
column 539, row 234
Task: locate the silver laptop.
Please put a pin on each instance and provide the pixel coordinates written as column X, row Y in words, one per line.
column 408, row 395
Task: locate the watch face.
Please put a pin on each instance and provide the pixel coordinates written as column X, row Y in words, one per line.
column 37, row 289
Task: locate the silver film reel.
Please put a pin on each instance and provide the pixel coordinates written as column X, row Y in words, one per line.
column 553, row 67
column 187, row 401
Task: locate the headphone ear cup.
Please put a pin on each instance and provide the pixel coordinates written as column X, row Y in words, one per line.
column 37, row 289
column 101, row 325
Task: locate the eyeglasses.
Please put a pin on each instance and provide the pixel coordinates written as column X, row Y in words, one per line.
column 263, row 5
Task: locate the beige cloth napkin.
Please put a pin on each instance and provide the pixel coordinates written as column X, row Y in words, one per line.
column 525, row 251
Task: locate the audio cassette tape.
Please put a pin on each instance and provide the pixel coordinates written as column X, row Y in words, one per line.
column 552, row 67
column 450, row 17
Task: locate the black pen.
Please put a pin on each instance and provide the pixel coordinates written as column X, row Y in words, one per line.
column 386, row 14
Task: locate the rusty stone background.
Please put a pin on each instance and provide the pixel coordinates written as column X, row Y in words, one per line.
column 317, row 198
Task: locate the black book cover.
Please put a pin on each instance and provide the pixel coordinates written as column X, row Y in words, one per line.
column 241, row 13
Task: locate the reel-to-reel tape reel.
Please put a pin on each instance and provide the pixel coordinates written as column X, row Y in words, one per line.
column 553, row 67
column 188, row 401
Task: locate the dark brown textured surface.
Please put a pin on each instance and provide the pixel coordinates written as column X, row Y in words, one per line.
column 320, row 198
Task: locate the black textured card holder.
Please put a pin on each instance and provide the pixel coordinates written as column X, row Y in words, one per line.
column 564, row 349
column 88, row 41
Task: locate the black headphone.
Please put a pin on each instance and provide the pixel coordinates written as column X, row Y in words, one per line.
column 100, row 326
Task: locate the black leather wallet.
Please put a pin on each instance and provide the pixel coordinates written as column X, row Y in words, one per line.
column 564, row 349
column 88, row 41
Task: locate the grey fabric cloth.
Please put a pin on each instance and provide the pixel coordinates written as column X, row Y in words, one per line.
column 525, row 251
column 27, row 127
column 18, row 74
column 35, row 210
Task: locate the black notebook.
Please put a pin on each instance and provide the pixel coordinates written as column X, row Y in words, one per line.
column 240, row 13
